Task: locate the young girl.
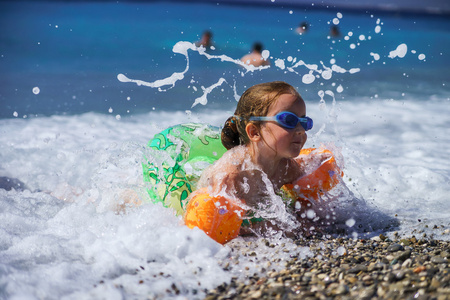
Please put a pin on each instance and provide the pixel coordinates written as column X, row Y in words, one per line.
column 265, row 134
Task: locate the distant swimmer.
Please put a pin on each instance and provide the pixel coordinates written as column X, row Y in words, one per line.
column 206, row 40
column 255, row 58
column 334, row 31
column 302, row 28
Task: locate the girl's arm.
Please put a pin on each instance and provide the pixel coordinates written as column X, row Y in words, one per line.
column 311, row 161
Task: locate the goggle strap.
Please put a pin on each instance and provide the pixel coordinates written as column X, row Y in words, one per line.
column 262, row 118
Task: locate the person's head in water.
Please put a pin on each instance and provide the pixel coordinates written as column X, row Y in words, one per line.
column 206, row 39
column 256, row 58
column 334, row 31
column 302, row 28
column 257, row 47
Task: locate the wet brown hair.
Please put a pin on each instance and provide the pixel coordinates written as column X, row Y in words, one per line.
column 255, row 101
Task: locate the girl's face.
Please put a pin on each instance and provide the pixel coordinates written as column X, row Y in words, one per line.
column 284, row 142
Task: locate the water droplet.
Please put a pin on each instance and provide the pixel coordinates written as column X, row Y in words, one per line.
column 341, row 251
column 311, row 214
column 350, row 222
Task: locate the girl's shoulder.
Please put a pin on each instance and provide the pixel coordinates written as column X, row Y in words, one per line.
column 231, row 162
column 236, row 162
column 236, row 155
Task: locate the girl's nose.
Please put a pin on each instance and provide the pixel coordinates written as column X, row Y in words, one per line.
column 299, row 128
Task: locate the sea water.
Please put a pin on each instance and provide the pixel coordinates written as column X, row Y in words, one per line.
column 74, row 129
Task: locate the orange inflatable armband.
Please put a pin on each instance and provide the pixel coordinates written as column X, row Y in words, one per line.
column 219, row 217
column 314, row 185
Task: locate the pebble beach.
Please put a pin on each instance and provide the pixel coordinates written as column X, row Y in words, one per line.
column 347, row 268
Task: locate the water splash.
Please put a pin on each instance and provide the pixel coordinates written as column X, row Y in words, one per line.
column 183, row 47
column 400, row 52
column 203, row 99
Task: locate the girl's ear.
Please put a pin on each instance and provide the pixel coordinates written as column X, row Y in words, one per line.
column 253, row 132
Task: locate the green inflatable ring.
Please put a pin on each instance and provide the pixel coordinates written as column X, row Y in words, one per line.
column 175, row 159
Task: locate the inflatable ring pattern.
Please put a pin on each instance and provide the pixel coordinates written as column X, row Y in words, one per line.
column 313, row 186
column 181, row 147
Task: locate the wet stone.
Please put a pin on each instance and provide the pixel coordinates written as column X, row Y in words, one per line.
column 407, row 263
column 368, row 293
column 390, row 277
column 381, row 268
column 445, row 254
column 438, row 260
column 404, row 255
column 357, row 269
column 395, row 247
column 400, row 275
column 405, row 242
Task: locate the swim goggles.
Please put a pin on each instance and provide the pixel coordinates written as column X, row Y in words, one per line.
column 287, row 120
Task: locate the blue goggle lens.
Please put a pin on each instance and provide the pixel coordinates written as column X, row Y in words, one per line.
column 290, row 120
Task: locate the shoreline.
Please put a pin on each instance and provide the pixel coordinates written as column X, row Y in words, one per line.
column 345, row 268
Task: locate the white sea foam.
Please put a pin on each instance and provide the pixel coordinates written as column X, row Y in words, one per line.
column 392, row 153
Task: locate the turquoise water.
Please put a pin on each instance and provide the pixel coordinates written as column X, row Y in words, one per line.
column 73, row 52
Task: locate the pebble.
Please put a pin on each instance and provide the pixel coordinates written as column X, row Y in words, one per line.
column 404, row 255
column 438, row 260
column 394, row 247
column 378, row 268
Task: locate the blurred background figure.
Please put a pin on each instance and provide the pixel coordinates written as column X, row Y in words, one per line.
column 255, row 58
column 334, row 31
column 302, row 28
column 206, row 40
